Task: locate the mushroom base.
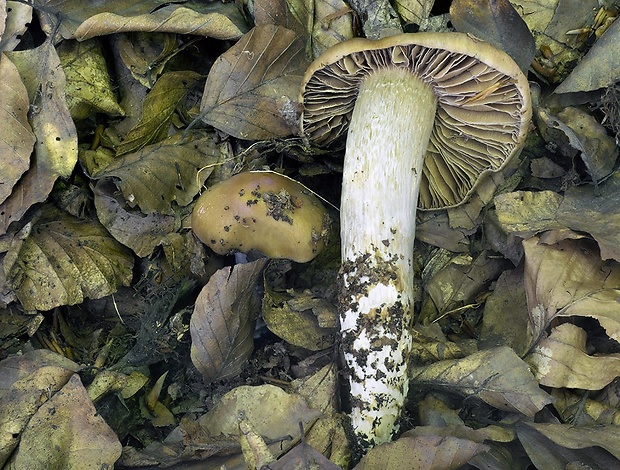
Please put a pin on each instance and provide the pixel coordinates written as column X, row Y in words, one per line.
column 387, row 140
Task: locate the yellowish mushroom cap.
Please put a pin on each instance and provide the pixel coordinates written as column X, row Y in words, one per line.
column 264, row 211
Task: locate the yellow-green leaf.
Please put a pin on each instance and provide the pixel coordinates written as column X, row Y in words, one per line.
column 64, row 260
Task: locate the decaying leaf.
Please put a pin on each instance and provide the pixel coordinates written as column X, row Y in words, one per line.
column 274, row 414
column 569, row 278
column 56, row 136
column 459, row 282
column 333, row 23
column 146, row 54
column 505, row 318
column 599, row 68
column 89, row 86
column 223, row 321
column 498, row 23
column 252, row 89
column 65, row 260
column 15, row 24
column 422, row 453
column 580, row 437
column 301, row 319
column 157, row 111
column 25, row 381
column 414, row 11
column 82, row 21
column 583, row 208
column 549, row 21
column 497, row 376
column 17, row 138
column 545, row 453
column 301, row 457
column 580, row 133
column 142, row 233
column 561, row 361
column 67, row 432
column 160, row 174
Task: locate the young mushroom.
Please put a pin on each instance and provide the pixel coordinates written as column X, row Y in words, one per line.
column 263, row 211
column 425, row 116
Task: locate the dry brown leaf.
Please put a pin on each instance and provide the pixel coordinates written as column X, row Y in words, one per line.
column 505, row 318
column 561, row 361
column 24, row 381
column 300, row 318
column 499, row 24
column 589, row 209
column 333, row 23
column 158, row 110
column 89, row 86
column 497, row 376
column 223, row 321
column 16, row 22
column 580, row 437
column 82, row 21
column 422, row 453
column 458, row 283
column 546, row 454
column 252, row 89
column 142, row 233
column 17, row 139
column 64, row 260
column 599, row 68
column 273, row 414
column 56, row 145
column 303, row 457
column 171, row 171
column 67, row 432
column 414, row 11
column 569, row 278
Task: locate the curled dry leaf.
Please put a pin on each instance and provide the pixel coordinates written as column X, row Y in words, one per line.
column 89, row 86
column 24, row 381
column 561, row 361
column 56, row 137
column 569, row 278
column 82, row 21
column 67, row 432
column 142, row 233
column 599, row 68
column 252, row 89
column 579, row 133
column 17, row 138
column 499, row 24
column 64, row 260
column 160, row 174
column 580, row 437
column 300, row 318
column 545, row 453
column 158, row 110
column 273, row 414
column 583, row 208
column 15, row 24
column 497, row 376
column 422, row 453
column 222, row 323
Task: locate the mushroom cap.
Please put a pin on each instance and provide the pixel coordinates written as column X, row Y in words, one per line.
column 264, row 211
column 483, row 104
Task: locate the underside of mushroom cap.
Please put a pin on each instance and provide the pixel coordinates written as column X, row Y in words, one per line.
column 483, row 104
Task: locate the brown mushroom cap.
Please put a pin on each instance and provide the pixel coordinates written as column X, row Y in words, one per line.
column 483, row 104
column 264, row 211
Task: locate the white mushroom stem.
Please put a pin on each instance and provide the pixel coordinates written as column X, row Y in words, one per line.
column 387, row 139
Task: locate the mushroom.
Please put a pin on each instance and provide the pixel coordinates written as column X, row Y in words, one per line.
column 264, row 211
column 426, row 115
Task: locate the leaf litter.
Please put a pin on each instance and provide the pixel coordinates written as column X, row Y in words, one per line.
column 115, row 317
